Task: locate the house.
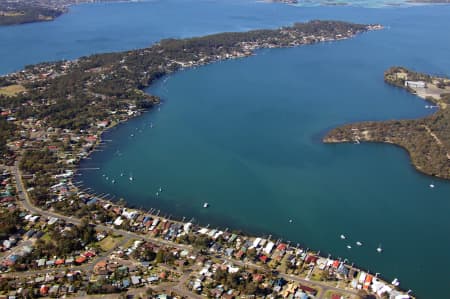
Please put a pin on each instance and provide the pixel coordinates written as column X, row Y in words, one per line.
column 263, row 258
column 125, row 283
column 41, row 262
column 103, row 124
column 52, row 148
column 100, row 266
column 91, row 138
column 118, row 221
column 44, row 290
column 54, row 290
column 281, row 247
column 269, row 247
column 59, row 262
column 415, row 84
column 308, row 289
column 311, row 259
column 135, row 280
column 80, row 259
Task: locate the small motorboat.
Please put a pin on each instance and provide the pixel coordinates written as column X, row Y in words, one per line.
column 379, row 249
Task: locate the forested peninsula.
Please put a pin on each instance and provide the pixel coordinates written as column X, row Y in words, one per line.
column 57, row 111
column 427, row 140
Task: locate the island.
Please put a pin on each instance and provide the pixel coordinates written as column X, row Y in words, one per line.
column 13, row 12
column 60, row 239
column 284, row 1
column 427, row 140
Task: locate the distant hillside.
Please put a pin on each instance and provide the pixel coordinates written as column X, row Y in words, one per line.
column 13, row 12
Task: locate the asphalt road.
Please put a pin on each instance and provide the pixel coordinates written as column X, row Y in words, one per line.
column 27, row 204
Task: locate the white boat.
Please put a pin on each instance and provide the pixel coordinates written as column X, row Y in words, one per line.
column 113, row 181
column 343, row 237
column 395, row 282
column 358, row 243
column 160, row 189
column 290, row 220
column 349, row 247
column 131, row 178
column 121, row 174
column 205, row 205
column 379, row 249
column 157, row 194
column 431, row 186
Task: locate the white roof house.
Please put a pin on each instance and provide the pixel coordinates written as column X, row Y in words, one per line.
column 118, row 221
column 269, row 247
column 417, row 84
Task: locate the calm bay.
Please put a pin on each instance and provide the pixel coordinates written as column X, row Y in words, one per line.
column 245, row 135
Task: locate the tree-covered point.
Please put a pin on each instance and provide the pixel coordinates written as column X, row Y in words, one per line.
column 75, row 94
column 427, row 139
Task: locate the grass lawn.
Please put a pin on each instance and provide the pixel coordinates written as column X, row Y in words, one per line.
column 109, row 242
column 11, row 90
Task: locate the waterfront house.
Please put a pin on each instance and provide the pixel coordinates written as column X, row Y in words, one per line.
column 415, row 84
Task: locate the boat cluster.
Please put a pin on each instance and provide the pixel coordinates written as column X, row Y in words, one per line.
column 359, row 243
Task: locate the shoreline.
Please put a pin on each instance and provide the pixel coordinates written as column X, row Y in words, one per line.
column 244, row 47
column 425, row 139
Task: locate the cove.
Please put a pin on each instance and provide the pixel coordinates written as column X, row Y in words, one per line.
column 244, row 136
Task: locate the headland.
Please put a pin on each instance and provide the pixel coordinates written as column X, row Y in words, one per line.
column 427, row 140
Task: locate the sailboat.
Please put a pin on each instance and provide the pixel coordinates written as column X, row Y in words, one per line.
column 131, row 178
column 343, row 237
column 358, row 243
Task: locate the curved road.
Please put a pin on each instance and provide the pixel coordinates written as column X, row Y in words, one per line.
column 27, row 204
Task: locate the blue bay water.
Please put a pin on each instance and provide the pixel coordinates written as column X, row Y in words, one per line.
column 245, row 135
